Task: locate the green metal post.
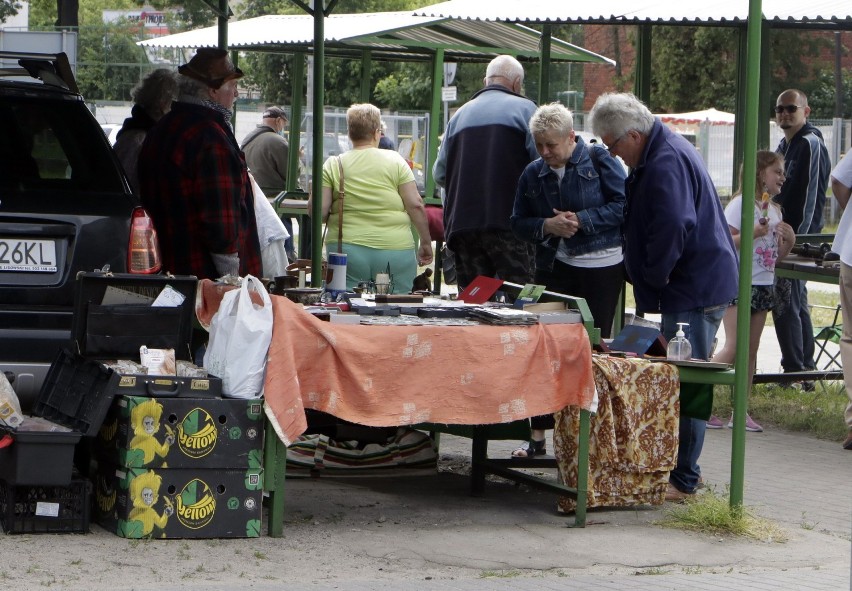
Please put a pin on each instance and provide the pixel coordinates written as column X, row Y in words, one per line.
column 434, row 120
column 764, row 104
column 366, row 67
column 544, row 64
column 432, row 151
column 318, row 123
column 297, row 97
column 642, row 81
column 582, row 468
column 741, row 365
column 222, row 21
column 739, row 103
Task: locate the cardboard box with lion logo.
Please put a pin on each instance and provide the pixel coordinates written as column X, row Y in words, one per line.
column 143, row 432
column 179, row 503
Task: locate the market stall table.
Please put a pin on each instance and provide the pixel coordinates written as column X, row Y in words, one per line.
column 381, row 375
column 806, row 269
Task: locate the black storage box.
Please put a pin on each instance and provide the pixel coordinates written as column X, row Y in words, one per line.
column 113, row 318
column 76, row 394
column 26, row 509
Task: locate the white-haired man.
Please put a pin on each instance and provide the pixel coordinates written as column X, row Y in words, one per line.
column 678, row 251
column 485, row 149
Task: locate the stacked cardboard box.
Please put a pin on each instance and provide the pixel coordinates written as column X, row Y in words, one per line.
column 180, row 468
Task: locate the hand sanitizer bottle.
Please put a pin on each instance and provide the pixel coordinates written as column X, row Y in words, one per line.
column 679, row 348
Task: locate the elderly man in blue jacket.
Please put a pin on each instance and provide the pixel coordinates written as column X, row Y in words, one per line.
column 678, row 251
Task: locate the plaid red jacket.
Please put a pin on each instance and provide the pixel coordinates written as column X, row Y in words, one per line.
column 194, row 183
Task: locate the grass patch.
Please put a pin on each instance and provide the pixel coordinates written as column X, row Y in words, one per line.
column 712, row 514
column 653, row 570
column 818, row 413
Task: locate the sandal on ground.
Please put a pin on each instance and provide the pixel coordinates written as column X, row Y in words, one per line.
column 530, row 449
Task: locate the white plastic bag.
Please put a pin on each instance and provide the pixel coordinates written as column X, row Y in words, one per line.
column 240, row 333
column 271, row 233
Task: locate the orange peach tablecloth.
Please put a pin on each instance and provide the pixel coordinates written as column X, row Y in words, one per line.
column 403, row 375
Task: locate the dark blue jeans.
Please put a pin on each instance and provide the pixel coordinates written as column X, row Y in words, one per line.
column 703, row 324
column 795, row 331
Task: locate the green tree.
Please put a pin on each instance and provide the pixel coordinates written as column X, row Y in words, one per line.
column 692, row 68
column 42, row 14
column 796, row 63
column 396, row 86
column 408, row 88
column 8, row 8
column 822, row 97
column 109, row 61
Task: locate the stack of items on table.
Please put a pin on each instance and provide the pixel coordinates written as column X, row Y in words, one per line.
column 472, row 305
column 169, row 456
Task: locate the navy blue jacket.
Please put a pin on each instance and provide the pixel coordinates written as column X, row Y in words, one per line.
column 485, row 149
column 592, row 187
column 807, row 167
column 678, row 250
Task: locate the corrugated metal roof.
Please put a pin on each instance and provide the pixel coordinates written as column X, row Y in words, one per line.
column 634, row 11
column 389, row 35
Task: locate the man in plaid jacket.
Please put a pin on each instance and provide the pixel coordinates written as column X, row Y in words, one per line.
column 194, row 179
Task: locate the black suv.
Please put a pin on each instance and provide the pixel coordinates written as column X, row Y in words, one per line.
column 65, row 207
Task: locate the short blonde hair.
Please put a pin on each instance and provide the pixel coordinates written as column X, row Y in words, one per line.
column 552, row 117
column 363, row 120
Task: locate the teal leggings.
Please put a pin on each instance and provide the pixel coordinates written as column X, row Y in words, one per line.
column 363, row 262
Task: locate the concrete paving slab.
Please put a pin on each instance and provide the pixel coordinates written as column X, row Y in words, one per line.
column 427, row 533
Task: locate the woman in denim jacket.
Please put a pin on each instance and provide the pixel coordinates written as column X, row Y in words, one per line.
column 570, row 204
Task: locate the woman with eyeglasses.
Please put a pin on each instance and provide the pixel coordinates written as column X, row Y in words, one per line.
column 570, row 204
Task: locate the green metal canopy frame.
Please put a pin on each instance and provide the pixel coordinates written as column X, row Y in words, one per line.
column 382, row 36
column 751, row 100
column 752, row 106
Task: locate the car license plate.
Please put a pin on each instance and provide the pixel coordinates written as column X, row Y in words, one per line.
column 23, row 255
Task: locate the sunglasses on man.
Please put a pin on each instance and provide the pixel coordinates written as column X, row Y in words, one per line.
column 789, row 108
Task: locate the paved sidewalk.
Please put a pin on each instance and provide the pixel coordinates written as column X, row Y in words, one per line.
column 426, row 533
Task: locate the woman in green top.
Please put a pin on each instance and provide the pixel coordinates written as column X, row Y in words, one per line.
column 380, row 205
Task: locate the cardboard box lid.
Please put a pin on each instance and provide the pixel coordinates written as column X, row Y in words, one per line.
column 114, row 315
column 76, row 393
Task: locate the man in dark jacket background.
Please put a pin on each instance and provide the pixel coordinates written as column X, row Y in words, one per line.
column 267, row 155
column 802, row 198
column 678, row 251
column 485, row 149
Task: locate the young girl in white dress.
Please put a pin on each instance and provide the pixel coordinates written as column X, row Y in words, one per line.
column 773, row 240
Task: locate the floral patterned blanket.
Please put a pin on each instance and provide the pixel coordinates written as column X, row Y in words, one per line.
column 634, row 434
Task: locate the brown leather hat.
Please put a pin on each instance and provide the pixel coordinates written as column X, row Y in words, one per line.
column 211, row 66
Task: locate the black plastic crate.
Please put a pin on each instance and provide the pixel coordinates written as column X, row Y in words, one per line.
column 76, row 393
column 45, row 509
